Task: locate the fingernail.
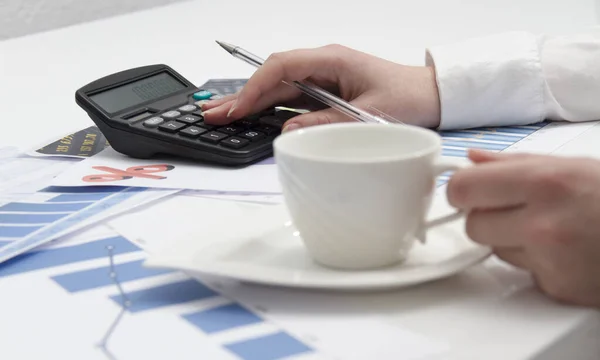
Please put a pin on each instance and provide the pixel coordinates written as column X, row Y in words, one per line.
column 232, row 108
column 290, row 127
column 206, row 104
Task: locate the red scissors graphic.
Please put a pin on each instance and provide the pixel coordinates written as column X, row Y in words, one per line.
column 131, row 172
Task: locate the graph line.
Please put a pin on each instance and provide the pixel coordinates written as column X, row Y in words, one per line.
column 126, row 303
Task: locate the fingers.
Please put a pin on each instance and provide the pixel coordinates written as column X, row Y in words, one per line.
column 218, row 115
column 215, row 103
column 498, row 228
column 288, row 66
column 515, row 256
column 481, row 156
column 221, row 114
column 323, row 117
column 496, row 184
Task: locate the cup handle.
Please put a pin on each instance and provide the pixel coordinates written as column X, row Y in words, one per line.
column 440, row 166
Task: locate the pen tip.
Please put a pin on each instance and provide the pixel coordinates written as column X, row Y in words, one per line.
column 228, row 47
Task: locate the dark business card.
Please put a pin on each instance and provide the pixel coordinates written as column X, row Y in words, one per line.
column 81, row 144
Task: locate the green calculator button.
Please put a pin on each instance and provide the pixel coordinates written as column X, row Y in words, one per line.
column 202, row 95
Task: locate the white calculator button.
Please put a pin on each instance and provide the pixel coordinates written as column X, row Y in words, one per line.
column 200, row 103
column 153, row 122
column 187, row 108
column 171, row 114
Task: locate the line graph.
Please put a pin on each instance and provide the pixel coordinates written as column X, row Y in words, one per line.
column 125, row 305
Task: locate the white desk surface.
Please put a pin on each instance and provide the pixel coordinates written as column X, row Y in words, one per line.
column 488, row 313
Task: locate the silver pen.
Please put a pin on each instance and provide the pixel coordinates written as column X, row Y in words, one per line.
column 314, row 91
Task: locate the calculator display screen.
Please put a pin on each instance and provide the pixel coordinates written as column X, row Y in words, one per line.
column 137, row 92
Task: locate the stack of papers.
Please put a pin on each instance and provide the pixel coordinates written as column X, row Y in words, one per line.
column 32, row 213
column 80, row 246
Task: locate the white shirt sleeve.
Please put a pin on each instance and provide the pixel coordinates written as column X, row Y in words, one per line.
column 518, row 78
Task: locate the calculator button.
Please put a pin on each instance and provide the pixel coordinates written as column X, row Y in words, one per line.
column 213, row 137
column 269, row 130
column 234, row 142
column 252, row 135
column 153, row 122
column 198, row 113
column 231, row 130
column 267, row 111
column 206, row 126
column 200, row 103
column 188, row 108
column 272, row 121
column 253, row 117
column 192, row 131
column 202, row 95
column 245, row 123
column 171, row 114
column 189, row 119
column 171, row 126
column 285, row 114
column 216, row 97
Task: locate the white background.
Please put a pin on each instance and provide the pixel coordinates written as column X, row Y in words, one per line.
column 22, row 17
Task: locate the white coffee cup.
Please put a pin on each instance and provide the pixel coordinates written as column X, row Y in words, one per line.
column 358, row 193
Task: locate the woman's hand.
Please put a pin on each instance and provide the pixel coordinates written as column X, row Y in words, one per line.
column 407, row 93
column 539, row 213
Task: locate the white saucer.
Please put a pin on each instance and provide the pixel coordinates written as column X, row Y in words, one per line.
column 276, row 256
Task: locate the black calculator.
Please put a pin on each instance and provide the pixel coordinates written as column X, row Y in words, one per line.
column 152, row 110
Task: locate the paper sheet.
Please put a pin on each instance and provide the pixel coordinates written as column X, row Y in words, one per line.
column 7, row 153
column 112, row 168
column 32, row 214
column 155, row 227
column 47, row 215
column 173, row 316
column 551, row 138
column 236, row 196
column 22, row 175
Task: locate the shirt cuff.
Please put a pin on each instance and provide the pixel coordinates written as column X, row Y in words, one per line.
column 489, row 81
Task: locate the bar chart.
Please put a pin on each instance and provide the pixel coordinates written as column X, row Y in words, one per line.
column 457, row 143
column 223, row 316
column 50, row 212
column 19, row 219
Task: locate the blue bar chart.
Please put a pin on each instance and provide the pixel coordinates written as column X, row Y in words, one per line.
column 458, row 143
column 29, row 223
column 45, row 259
column 22, row 218
column 222, row 318
column 94, row 278
column 166, row 295
column 269, row 347
column 209, row 321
